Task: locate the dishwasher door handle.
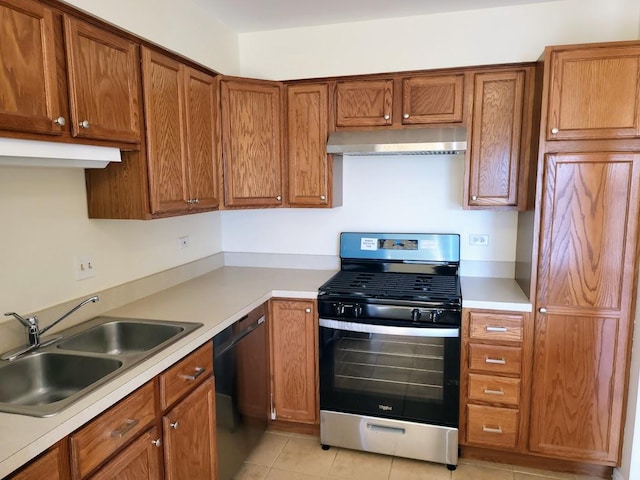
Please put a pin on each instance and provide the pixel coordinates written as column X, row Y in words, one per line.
column 225, row 347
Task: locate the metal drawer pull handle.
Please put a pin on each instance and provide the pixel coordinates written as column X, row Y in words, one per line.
column 384, row 428
column 488, row 391
column 128, row 425
column 497, row 361
column 497, row 329
column 491, row 430
column 198, row 371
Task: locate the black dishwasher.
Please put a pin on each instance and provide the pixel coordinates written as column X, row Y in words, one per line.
column 241, row 368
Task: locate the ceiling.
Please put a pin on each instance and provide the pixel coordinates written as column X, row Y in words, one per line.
column 244, row 16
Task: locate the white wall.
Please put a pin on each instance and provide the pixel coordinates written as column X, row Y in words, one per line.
column 395, row 193
column 498, row 35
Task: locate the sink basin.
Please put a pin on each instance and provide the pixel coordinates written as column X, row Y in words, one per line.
column 122, row 337
column 49, row 379
column 38, row 382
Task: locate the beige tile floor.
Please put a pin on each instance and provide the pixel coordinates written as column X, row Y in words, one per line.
column 282, row 456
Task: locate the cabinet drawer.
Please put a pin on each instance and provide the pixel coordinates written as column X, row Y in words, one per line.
column 176, row 381
column 487, row 388
column 495, row 326
column 98, row 440
column 492, row 426
column 495, row 358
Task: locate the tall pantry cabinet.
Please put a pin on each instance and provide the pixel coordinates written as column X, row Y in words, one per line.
column 585, row 250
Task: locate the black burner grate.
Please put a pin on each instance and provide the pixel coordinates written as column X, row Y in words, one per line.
column 395, row 286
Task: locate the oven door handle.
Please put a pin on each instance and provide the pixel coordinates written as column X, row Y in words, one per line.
column 430, row 331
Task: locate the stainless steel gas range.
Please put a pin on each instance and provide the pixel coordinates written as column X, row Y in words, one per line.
column 390, row 346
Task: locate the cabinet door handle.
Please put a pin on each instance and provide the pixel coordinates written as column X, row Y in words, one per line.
column 496, row 329
column 405, row 116
column 474, row 197
column 322, row 197
column 307, row 310
column 491, row 430
column 157, row 442
column 197, row 372
column 555, row 130
column 279, row 197
column 542, row 310
column 60, row 121
column 496, row 361
column 84, row 124
column 387, row 116
column 488, row 391
column 174, row 425
column 126, row 428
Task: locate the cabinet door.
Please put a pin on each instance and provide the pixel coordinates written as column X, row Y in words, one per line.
column 585, row 286
column 307, row 130
column 164, row 107
column 190, row 436
column 432, row 99
column 251, row 144
column 364, row 103
column 594, row 93
column 104, row 83
column 52, row 465
column 294, row 345
column 496, row 132
column 139, row 461
column 28, row 70
column 201, row 105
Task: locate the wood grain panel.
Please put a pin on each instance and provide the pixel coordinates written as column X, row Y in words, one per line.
column 177, row 380
column 495, row 138
column 139, row 461
column 103, row 436
column 51, row 465
column 594, row 93
column 201, row 101
column 190, row 445
column 587, row 214
column 495, row 358
column 362, row 103
column 432, row 99
column 492, row 426
column 494, row 389
column 307, row 132
column 104, row 83
column 574, row 389
column 166, row 143
column 251, row 144
column 28, row 70
column 294, row 360
column 496, row 326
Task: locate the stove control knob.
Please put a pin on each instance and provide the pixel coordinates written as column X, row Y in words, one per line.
column 415, row 315
column 434, row 315
column 339, row 308
column 357, row 310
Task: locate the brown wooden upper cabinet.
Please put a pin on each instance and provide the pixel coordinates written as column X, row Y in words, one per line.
column 364, row 103
column 307, row 130
column 251, row 143
column 501, row 133
column 432, row 99
column 104, row 83
column 30, row 100
column 594, row 93
column 181, row 124
column 424, row 99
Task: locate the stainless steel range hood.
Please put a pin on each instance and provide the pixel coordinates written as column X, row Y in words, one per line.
column 32, row 153
column 414, row 141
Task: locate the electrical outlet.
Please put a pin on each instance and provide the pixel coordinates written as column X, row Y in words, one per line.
column 84, row 267
column 184, row 242
column 478, row 240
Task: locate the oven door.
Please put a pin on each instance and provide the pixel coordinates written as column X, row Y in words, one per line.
column 404, row 373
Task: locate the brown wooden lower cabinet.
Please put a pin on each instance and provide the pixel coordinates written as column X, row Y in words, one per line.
column 139, row 461
column 294, row 360
column 52, row 465
column 189, row 435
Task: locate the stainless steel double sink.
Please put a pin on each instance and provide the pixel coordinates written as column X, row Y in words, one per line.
column 49, row 379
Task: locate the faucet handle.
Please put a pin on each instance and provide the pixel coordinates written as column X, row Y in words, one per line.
column 27, row 322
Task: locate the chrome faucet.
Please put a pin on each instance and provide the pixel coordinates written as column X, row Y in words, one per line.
column 34, row 331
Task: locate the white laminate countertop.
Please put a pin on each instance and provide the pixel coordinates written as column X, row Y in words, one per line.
column 216, row 299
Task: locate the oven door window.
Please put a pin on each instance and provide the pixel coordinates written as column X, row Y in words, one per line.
column 405, row 377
